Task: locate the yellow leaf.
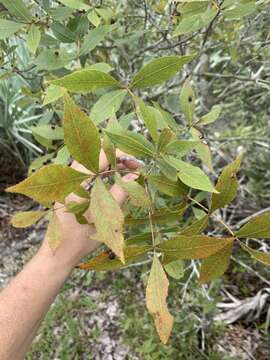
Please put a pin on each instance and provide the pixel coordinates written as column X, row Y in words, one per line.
column 50, row 183
column 26, row 218
column 53, row 234
column 258, row 255
column 156, row 295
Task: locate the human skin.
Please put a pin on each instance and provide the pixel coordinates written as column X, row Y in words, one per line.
column 26, row 300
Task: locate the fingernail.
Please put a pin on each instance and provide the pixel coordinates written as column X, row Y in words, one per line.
column 126, row 158
column 130, row 158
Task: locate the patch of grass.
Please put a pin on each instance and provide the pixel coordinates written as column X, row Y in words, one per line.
column 69, row 331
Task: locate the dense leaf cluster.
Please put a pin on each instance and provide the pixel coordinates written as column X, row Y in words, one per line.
column 62, row 37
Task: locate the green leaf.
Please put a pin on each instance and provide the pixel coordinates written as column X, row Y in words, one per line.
column 53, row 93
column 175, row 269
column 202, row 148
column 187, row 101
column 194, row 23
column 81, row 136
column 107, row 105
column 33, row 38
column 240, row 10
column 180, row 147
column 54, row 234
column 215, row 265
column 191, row 175
column 78, row 208
column 168, row 187
column 107, row 262
column 108, row 219
column 101, row 66
column 63, row 156
column 167, row 170
column 227, row 185
column 63, row 33
column 87, row 80
column 164, row 139
column 93, row 38
column 93, row 17
column 131, row 143
column 27, row 218
column 159, row 70
column 258, row 227
column 75, row 4
column 192, row 247
column 196, row 227
column 39, row 162
column 137, row 194
column 51, row 59
column 161, row 216
column 258, row 255
column 152, row 118
column 212, row 116
column 50, row 183
column 156, row 295
column 8, row 28
column 140, row 239
column 51, row 132
column 18, row 9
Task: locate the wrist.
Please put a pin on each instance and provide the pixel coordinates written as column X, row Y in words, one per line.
column 54, row 261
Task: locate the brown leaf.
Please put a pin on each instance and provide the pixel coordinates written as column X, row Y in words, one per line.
column 107, row 261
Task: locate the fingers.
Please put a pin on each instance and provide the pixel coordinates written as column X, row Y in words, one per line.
column 123, row 162
column 118, row 193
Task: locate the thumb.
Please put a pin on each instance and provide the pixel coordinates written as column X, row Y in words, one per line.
column 118, row 193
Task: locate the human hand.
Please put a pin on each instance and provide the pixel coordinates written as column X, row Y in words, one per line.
column 76, row 240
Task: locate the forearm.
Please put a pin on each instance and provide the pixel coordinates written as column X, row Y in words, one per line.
column 25, row 302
